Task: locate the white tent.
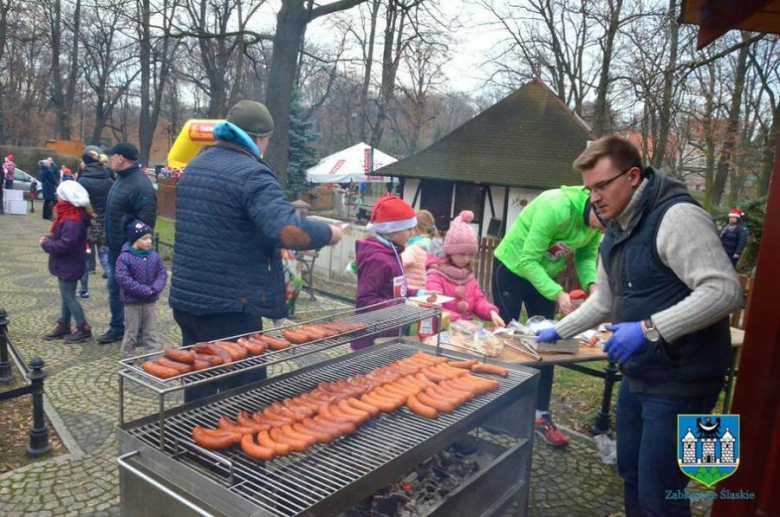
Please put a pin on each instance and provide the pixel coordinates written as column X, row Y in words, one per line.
column 353, row 164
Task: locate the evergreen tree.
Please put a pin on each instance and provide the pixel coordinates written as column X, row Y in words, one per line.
column 301, row 155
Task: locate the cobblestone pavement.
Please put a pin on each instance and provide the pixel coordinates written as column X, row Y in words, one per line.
column 82, row 388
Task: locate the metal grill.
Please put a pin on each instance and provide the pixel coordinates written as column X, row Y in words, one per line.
column 299, row 483
column 378, row 318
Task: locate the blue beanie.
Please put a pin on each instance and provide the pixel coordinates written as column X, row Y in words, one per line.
column 136, row 230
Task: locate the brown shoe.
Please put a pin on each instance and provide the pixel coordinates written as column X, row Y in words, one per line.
column 60, row 331
column 83, row 333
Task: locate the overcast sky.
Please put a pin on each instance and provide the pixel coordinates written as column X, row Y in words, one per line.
column 470, row 47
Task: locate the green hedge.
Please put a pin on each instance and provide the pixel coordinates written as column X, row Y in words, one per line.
column 27, row 158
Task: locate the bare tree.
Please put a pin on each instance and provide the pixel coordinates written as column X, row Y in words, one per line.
column 156, row 55
column 767, row 67
column 291, row 22
column 109, row 64
column 730, row 138
column 63, row 85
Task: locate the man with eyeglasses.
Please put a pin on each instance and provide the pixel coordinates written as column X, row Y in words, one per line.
column 668, row 287
column 555, row 225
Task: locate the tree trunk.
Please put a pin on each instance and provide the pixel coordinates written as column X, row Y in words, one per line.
column 768, row 159
column 601, row 115
column 367, row 71
column 145, row 131
column 665, row 117
column 290, row 26
column 730, row 140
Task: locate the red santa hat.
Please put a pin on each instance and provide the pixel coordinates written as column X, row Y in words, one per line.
column 10, row 157
column 392, row 214
column 735, row 212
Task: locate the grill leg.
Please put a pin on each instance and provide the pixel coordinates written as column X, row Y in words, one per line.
column 601, row 425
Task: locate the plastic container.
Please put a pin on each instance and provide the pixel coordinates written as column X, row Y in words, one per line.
column 578, row 297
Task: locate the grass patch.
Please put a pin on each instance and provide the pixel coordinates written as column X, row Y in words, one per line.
column 165, row 230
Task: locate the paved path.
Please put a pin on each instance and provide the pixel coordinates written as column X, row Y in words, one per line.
column 82, row 387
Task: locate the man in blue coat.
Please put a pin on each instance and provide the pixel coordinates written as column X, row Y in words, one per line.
column 232, row 219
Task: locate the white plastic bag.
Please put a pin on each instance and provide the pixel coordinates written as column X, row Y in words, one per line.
column 607, row 449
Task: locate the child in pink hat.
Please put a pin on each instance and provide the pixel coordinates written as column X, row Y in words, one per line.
column 454, row 276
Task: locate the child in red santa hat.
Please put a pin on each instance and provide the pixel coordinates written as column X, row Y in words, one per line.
column 380, row 270
column 454, row 275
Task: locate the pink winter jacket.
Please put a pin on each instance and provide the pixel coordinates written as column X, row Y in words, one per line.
column 445, row 278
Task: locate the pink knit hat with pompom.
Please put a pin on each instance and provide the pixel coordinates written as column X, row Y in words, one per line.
column 461, row 238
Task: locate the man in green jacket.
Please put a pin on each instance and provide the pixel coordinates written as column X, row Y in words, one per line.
column 554, row 225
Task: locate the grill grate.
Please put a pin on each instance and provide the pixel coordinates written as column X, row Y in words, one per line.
column 381, row 319
column 294, row 484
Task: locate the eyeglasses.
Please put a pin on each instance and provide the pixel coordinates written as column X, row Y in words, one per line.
column 602, row 186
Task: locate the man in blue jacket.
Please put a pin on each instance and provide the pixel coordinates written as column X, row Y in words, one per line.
column 132, row 197
column 232, row 219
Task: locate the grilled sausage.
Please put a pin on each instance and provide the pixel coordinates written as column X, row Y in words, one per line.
column 213, row 360
column 253, row 347
column 226, row 424
column 214, row 440
column 236, row 352
column 289, row 432
column 319, row 436
column 163, row 372
column 245, row 421
column 435, row 402
column 313, row 331
column 265, row 440
column 179, row 367
column 433, row 376
column 491, row 369
column 210, row 349
column 182, row 356
column 275, row 343
column 294, row 337
column 363, row 406
column 255, row 451
column 382, row 404
column 201, row 365
column 421, row 409
column 295, row 444
column 331, row 433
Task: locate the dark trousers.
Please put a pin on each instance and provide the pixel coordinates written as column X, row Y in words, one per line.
column 117, row 325
column 647, row 450
column 195, row 329
column 48, row 209
column 510, row 293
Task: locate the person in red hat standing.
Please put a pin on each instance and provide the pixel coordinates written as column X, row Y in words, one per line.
column 380, row 269
column 734, row 235
column 9, row 169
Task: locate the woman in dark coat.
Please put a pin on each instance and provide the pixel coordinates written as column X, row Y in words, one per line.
column 66, row 247
column 49, row 183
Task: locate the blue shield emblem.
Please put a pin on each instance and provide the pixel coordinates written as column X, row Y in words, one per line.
column 708, row 446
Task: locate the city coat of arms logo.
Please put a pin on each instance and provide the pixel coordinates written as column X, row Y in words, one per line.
column 708, row 446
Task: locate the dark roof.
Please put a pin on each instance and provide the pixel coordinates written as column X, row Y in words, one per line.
column 529, row 139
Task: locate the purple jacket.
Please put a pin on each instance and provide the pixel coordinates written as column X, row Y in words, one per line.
column 140, row 279
column 67, row 249
column 377, row 267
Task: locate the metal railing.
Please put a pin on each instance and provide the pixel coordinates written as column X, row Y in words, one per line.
column 39, row 435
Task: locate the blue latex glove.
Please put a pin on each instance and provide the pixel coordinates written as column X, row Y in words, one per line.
column 547, row 336
column 626, row 340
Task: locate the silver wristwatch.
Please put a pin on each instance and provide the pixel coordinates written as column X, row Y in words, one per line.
column 651, row 333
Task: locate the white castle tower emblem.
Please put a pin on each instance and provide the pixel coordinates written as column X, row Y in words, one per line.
column 706, row 446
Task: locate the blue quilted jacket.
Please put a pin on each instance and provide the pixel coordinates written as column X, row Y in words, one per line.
column 230, row 211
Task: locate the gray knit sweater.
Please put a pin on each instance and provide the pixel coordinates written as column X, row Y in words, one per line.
column 687, row 243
